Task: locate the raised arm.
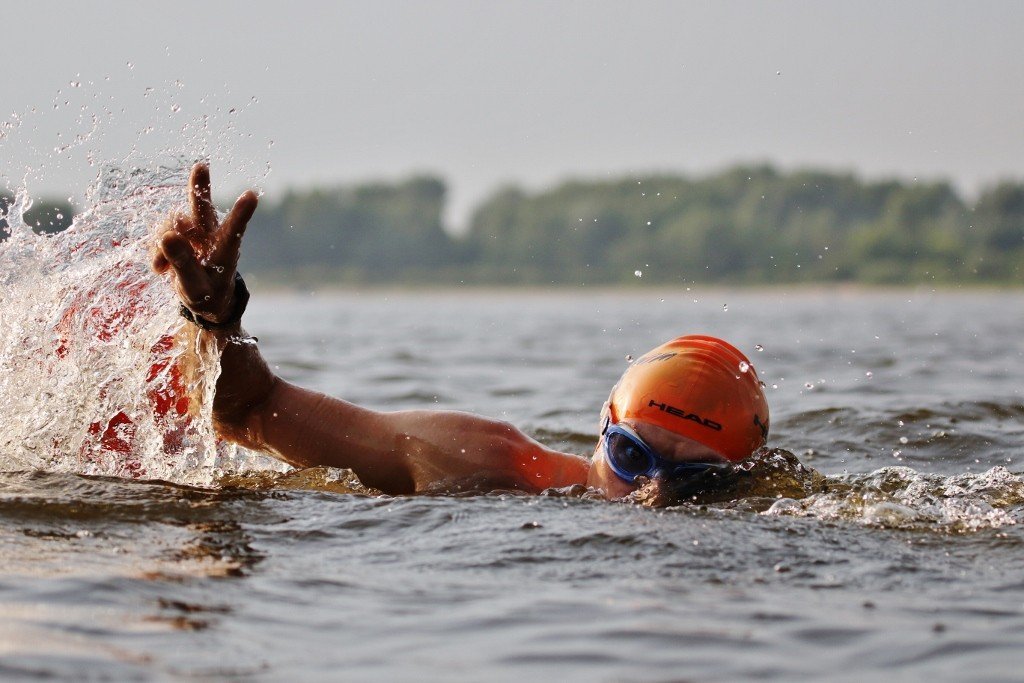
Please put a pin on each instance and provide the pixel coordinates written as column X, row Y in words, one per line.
column 397, row 452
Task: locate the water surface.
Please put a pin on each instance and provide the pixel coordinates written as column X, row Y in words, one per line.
column 907, row 567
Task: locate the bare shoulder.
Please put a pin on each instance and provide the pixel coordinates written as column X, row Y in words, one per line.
column 442, row 447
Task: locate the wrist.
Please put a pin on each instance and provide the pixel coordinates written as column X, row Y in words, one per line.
column 230, row 321
column 244, row 387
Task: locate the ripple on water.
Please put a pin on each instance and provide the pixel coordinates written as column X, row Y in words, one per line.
column 901, row 498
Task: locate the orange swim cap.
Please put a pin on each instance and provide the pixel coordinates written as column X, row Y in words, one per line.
column 699, row 387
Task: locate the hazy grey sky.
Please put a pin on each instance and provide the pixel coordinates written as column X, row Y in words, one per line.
column 489, row 92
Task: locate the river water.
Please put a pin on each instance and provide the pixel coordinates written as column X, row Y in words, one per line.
column 902, row 560
column 908, row 566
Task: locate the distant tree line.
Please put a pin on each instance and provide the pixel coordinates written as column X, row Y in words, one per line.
column 750, row 225
column 745, row 225
column 370, row 233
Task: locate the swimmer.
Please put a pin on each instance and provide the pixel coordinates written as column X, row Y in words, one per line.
column 689, row 406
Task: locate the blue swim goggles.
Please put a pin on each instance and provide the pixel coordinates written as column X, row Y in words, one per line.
column 630, row 457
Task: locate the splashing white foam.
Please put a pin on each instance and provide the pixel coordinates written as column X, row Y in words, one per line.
column 902, row 498
column 88, row 355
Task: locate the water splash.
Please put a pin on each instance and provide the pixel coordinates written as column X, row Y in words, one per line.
column 90, row 366
column 754, row 483
column 774, row 482
column 326, row 479
column 902, row 498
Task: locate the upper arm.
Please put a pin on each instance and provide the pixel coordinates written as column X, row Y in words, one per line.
column 446, row 448
column 409, row 451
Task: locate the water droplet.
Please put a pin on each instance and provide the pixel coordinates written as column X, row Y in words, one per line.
column 725, row 308
column 533, row 457
column 758, row 347
column 904, row 440
column 744, row 366
column 206, row 298
column 869, row 374
column 175, row 108
column 808, row 385
column 219, row 269
column 629, row 358
column 638, row 273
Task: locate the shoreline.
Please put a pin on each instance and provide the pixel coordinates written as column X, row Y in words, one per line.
column 276, row 287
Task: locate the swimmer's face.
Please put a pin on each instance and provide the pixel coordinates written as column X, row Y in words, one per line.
column 668, row 445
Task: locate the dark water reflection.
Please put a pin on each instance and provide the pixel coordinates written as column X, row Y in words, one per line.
column 907, row 573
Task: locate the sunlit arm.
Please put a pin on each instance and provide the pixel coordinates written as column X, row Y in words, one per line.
column 396, row 452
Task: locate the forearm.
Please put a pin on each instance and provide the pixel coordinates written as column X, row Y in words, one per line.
column 245, row 383
column 256, row 409
column 306, row 428
column 396, row 452
column 405, row 451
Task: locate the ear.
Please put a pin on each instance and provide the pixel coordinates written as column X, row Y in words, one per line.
column 612, row 414
column 605, row 418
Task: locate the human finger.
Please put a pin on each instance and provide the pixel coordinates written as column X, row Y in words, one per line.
column 193, row 282
column 229, row 241
column 203, row 213
column 186, row 226
column 174, row 223
column 159, row 264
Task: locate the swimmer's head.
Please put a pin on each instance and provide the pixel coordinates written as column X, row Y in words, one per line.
column 698, row 387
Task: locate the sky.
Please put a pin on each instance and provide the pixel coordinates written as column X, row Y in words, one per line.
column 288, row 94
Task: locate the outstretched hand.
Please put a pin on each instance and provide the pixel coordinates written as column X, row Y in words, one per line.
column 201, row 253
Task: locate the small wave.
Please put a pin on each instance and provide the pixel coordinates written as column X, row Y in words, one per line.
column 329, row 479
column 970, row 411
column 955, row 435
column 775, row 483
column 902, row 498
column 419, row 397
column 754, row 483
column 567, row 441
column 52, row 524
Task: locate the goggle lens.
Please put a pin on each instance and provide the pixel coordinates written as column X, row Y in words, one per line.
column 629, row 457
